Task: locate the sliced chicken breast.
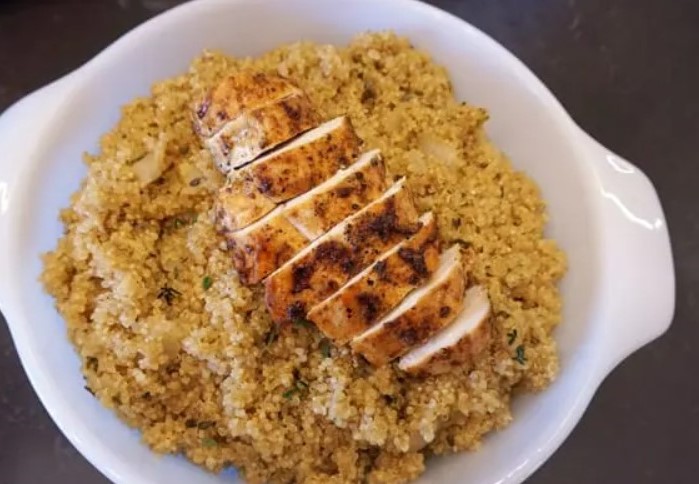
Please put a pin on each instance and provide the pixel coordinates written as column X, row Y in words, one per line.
column 372, row 293
column 331, row 260
column 317, row 211
column 287, row 172
column 263, row 246
column 260, row 248
column 256, row 131
column 457, row 344
column 239, row 204
column 420, row 315
column 238, row 93
column 305, row 162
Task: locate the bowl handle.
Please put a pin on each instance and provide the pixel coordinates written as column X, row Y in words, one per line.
column 20, row 124
column 638, row 299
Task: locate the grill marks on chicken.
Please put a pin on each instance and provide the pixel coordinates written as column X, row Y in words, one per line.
column 323, row 267
column 377, row 289
column 290, row 171
column 349, row 190
column 305, row 214
column 420, row 315
column 250, row 113
column 263, row 246
column 306, row 161
column 457, row 344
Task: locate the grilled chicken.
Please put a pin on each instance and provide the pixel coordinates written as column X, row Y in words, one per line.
column 263, row 246
column 248, row 114
column 458, row 343
column 420, row 315
column 331, row 260
column 254, row 132
column 260, row 248
column 378, row 288
column 306, row 161
column 287, row 172
column 241, row 92
column 239, row 204
column 349, row 190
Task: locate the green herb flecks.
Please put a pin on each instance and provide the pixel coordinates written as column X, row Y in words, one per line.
column 299, row 387
column 325, row 348
column 519, row 355
column 207, row 282
column 208, row 442
column 272, row 335
column 302, row 323
column 511, row 336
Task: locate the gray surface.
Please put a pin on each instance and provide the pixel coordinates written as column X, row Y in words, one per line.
column 626, row 70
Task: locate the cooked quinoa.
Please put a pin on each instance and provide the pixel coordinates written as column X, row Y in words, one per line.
column 173, row 342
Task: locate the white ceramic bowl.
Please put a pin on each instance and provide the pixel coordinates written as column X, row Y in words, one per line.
column 618, row 294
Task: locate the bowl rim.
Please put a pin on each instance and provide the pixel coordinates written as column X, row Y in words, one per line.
column 96, row 451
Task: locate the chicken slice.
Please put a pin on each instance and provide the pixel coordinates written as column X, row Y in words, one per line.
column 458, row 343
column 263, row 246
column 377, row 289
column 305, row 162
column 239, row 204
column 287, row 172
column 331, row 260
column 256, row 131
column 424, row 312
column 317, row 211
column 238, row 93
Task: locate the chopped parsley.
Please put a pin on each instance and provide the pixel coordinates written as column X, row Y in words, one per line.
column 519, row 355
column 208, row 442
column 511, row 336
column 298, row 387
column 207, row 282
column 302, row 322
column 272, row 335
column 325, row 348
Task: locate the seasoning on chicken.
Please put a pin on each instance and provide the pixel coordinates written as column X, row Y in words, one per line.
column 331, row 260
column 349, row 190
column 241, row 92
column 456, row 345
column 420, row 315
column 263, row 246
column 306, row 161
column 239, row 204
column 247, row 114
column 287, row 172
column 377, row 289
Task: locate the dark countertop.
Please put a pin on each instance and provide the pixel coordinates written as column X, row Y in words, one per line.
column 626, row 70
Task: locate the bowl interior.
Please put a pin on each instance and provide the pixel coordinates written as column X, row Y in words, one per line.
column 526, row 123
